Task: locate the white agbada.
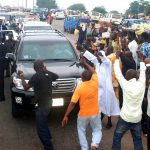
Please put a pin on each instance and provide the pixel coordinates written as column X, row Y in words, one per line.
column 108, row 102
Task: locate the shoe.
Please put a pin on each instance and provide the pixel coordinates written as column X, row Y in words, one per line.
column 93, row 148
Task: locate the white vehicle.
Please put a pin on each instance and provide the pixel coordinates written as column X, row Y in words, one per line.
column 95, row 16
column 59, row 15
column 7, row 32
column 35, row 26
column 114, row 18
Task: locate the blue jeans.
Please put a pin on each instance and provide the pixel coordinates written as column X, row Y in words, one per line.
column 121, row 128
column 43, row 130
column 95, row 123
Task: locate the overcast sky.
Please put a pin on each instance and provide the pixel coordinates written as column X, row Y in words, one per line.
column 119, row 5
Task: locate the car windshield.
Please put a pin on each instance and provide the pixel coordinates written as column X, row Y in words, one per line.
column 46, row 50
column 138, row 21
column 95, row 14
column 116, row 16
column 7, row 17
column 26, row 28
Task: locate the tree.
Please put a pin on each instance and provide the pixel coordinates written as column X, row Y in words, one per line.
column 50, row 4
column 100, row 10
column 77, row 6
column 114, row 12
column 139, row 7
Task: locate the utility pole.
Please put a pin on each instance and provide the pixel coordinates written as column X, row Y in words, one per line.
column 26, row 3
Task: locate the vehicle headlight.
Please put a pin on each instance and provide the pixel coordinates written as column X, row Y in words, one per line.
column 18, row 84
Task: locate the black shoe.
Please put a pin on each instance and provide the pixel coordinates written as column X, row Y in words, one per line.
column 2, row 99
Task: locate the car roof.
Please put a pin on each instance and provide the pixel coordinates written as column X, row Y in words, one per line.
column 44, row 37
column 73, row 16
column 36, row 23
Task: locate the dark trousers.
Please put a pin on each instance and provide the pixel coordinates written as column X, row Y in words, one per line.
column 148, row 137
column 121, row 128
column 2, row 80
column 43, row 130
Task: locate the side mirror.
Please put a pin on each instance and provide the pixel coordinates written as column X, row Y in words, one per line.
column 10, row 56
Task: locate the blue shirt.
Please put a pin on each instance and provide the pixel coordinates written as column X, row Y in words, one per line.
column 145, row 48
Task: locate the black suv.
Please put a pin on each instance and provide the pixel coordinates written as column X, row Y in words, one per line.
column 58, row 55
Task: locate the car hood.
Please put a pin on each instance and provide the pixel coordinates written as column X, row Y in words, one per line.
column 62, row 69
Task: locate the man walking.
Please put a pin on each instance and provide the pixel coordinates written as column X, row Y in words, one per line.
column 41, row 81
column 131, row 112
column 87, row 95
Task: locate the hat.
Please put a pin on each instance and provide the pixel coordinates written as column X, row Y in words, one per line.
column 139, row 32
column 147, row 65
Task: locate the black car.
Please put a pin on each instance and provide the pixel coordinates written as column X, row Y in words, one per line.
column 58, row 55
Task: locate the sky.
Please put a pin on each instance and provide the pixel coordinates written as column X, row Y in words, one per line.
column 119, row 5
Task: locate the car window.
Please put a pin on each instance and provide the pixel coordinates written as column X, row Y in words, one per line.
column 37, row 28
column 116, row 16
column 47, row 50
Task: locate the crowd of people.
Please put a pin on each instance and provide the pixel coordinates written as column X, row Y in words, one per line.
column 115, row 83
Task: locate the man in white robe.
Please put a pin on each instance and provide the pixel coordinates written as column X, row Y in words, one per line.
column 108, row 102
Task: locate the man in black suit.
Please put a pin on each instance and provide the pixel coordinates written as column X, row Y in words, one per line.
column 2, row 34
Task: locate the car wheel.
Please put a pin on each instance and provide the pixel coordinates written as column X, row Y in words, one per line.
column 16, row 113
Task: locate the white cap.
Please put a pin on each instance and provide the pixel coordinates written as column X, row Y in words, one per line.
column 148, row 65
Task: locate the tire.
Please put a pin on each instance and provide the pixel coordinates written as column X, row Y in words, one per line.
column 16, row 113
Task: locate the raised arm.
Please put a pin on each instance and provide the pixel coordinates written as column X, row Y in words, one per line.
column 83, row 61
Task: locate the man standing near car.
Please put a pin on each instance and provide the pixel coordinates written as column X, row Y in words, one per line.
column 41, row 81
column 2, row 68
column 2, row 27
column 87, row 96
column 10, row 46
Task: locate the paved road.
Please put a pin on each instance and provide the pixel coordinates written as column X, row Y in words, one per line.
column 20, row 134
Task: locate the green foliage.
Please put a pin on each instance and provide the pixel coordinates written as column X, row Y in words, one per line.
column 114, row 12
column 100, row 10
column 50, row 4
column 77, row 6
column 137, row 7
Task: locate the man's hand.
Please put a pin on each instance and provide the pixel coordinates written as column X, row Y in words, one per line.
column 83, row 60
column 117, row 54
column 20, row 74
column 64, row 121
column 140, row 55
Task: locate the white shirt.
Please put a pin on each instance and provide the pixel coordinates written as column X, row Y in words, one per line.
column 108, row 102
column 133, row 47
column 133, row 94
column 148, row 99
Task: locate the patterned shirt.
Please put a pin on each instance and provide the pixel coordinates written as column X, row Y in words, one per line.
column 145, row 48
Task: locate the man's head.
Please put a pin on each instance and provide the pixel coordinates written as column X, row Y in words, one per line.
column 86, row 75
column 113, row 36
column 128, row 54
column 144, row 37
column 130, row 74
column 92, row 24
column 38, row 65
column 131, row 35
